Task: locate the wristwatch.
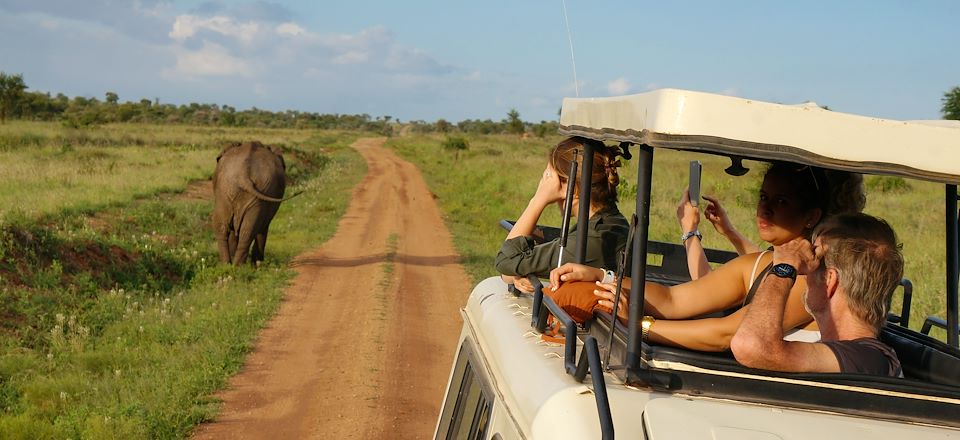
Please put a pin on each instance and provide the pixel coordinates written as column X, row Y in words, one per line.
column 784, row 270
column 686, row 235
column 608, row 276
column 645, row 325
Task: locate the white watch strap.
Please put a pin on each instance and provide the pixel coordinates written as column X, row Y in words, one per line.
column 687, row 235
column 608, row 277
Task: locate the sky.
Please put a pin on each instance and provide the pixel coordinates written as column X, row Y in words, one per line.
column 456, row 60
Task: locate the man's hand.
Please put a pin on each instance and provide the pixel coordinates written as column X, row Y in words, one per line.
column 574, row 272
column 799, row 253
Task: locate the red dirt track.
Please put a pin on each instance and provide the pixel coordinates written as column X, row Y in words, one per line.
column 363, row 342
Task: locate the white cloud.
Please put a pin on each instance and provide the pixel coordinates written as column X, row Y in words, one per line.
column 651, row 86
column 619, row 86
column 188, row 26
column 211, row 60
column 290, row 29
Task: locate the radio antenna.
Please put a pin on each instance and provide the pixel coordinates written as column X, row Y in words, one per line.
column 576, row 84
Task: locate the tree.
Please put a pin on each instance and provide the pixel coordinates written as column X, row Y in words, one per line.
column 514, row 124
column 11, row 93
column 951, row 104
column 112, row 98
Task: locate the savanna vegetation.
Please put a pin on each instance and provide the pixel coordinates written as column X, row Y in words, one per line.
column 17, row 102
column 117, row 322
column 495, row 177
column 115, row 319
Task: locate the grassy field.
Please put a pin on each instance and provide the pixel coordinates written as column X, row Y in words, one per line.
column 115, row 320
column 495, row 177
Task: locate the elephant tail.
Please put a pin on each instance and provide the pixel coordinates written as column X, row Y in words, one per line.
column 248, row 187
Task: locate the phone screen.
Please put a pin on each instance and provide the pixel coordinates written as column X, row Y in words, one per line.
column 695, row 167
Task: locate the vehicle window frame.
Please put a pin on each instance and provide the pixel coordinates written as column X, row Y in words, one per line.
column 472, row 399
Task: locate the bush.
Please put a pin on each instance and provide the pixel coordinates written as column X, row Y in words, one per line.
column 885, row 184
column 456, row 143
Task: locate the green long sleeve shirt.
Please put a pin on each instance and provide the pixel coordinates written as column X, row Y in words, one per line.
column 606, row 237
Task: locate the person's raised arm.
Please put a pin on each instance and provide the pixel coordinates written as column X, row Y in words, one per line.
column 549, row 190
column 716, row 215
column 689, row 218
column 758, row 342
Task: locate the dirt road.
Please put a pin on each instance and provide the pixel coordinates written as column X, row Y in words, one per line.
column 363, row 341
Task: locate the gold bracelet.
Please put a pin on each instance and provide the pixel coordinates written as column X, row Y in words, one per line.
column 645, row 325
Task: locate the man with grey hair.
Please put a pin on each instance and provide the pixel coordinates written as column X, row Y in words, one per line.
column 852, row 269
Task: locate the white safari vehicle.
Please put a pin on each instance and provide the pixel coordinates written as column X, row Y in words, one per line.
column 507, row 384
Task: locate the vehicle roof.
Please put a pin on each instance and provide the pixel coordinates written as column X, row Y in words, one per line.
column 805, row 133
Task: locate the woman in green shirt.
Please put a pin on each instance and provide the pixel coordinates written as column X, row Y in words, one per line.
column 522, row 255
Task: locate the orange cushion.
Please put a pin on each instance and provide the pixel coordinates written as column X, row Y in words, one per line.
column 576, row 298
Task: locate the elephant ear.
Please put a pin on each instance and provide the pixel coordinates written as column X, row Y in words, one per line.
column 279, row 153
column 224, row 150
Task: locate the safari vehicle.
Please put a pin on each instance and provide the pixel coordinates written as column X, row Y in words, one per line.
column 505, row 383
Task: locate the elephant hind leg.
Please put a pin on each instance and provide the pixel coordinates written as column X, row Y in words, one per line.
column 259, row 248
column 243, row 248
column 226, row 243
column 231, row 246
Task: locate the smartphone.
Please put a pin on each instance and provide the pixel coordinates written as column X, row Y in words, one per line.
column 695, row 167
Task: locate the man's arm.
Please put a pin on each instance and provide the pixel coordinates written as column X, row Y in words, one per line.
column 758, row 342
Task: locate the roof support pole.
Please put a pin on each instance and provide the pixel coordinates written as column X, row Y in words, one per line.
column 583, row 216
column 639, row 264
column 953, row 267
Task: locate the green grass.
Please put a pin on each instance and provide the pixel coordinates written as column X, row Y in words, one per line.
column 495, row 177
column 115, row 320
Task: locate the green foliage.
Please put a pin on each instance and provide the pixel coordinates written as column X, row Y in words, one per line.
column 886, row 184
column 11, row 93
column 82, row 112
column 514, row 124
column 456, row 143
column 951, row 104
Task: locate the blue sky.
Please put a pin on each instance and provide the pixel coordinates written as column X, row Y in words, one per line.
column 419, row 59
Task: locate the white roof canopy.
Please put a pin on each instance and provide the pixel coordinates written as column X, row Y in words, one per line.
column 806, row 133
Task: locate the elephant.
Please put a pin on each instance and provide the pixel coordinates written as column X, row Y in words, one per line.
column 248, row 186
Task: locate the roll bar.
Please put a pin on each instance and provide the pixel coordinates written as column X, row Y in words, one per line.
column 953, row 267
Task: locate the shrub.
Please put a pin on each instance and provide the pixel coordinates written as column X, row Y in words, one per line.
column 885, row 184
column 456, row 143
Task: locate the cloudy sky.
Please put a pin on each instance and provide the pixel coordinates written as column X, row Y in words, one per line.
column 426, row 59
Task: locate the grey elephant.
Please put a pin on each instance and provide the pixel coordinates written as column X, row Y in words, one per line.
column 248, row 186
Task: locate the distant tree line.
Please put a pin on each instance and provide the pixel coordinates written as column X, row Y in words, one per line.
column 16, row 102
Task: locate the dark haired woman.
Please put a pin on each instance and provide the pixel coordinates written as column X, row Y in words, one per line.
column 521, row 255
